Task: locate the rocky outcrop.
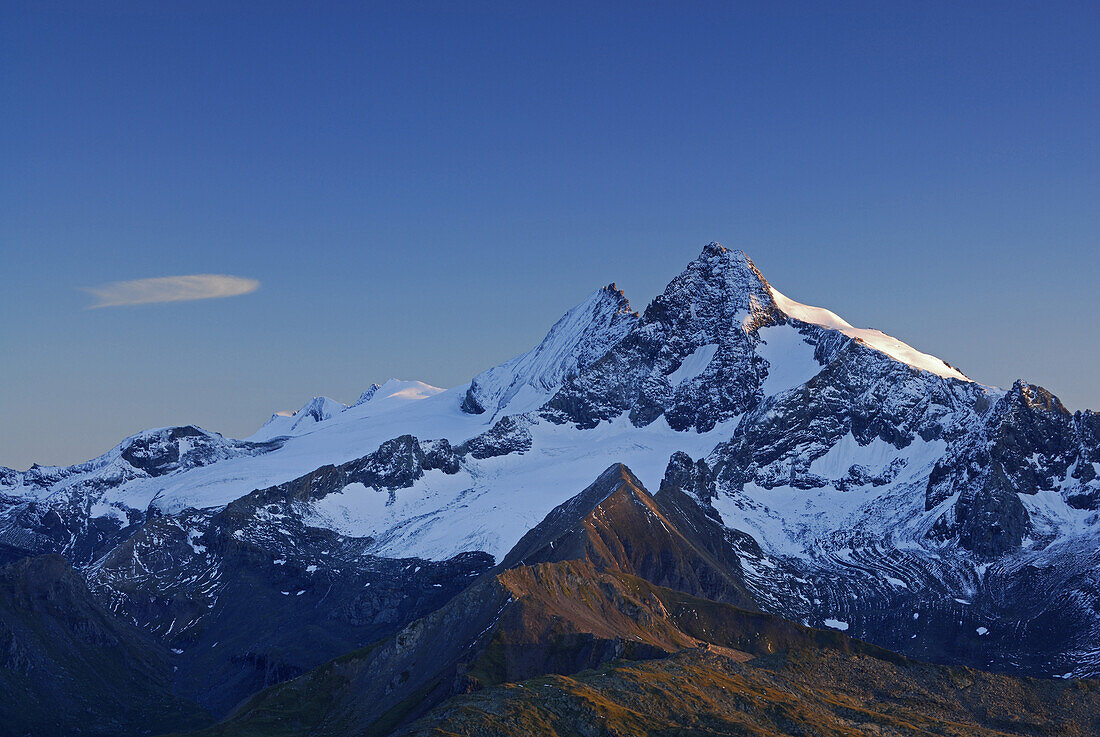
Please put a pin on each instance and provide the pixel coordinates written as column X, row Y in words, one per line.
column 510, row 434
column 691, row 477
column 616, row 525
column 1027, row 444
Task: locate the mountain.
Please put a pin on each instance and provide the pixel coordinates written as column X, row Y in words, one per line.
column 578, row 646
column 616, row 525
column 71, row 510
column 828, row 475
column 321, row 409
column 315, row 410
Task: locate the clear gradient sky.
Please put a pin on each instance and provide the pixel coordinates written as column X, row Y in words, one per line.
column 421, row 190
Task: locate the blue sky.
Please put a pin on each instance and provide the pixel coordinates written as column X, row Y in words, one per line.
column 421, row 189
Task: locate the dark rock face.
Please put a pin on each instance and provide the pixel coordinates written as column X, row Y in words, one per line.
column 1086, row 494
column 510, row 434
column 991, row 520
column 691, row 477
column 721, row 300
column 1028, row 443
column 859, row 392
column 399, row 462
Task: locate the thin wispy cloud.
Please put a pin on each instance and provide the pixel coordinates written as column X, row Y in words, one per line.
column 170, row 289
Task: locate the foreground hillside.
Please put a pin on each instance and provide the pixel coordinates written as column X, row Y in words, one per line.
column 704, row 693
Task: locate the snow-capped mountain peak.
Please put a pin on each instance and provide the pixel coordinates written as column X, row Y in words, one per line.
column 716, row 343
column 375, row 398
column 320, row 409
column 394, row 391
column 733, row 276
column 579, row 338
column 283, row 423
column 718, row 291
column 367, row 394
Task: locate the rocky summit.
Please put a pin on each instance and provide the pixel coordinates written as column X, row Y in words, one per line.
column 730, row 513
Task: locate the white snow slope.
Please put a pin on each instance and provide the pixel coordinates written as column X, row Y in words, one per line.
column 876, row 339
column 580, row 337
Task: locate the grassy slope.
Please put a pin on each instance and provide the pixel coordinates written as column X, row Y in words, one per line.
column 816, row 692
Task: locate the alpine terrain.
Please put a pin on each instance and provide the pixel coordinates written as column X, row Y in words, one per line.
column 730, row 514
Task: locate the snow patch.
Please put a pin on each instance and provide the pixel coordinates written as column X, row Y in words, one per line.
column 693, row 364
column 101, row 509
column 790, row 359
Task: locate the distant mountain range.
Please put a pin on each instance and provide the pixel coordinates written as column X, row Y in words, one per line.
column 489, row 559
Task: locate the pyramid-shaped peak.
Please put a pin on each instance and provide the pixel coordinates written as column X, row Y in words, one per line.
column 730, row 267
column 579, row 338
column 616, row 476
column 719, row 289
column 567, row 519
column 320, row 409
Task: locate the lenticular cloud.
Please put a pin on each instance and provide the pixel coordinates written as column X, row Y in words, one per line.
column 170, row 289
